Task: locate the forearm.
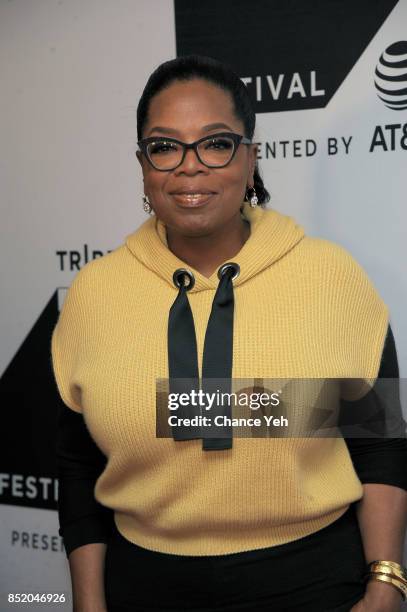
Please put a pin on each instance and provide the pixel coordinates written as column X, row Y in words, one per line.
column 382, row 517
column 87, row 575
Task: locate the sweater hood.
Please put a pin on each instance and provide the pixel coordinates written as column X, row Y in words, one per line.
column 272, row 236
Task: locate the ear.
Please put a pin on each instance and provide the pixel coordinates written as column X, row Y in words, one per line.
column 139, row 155
column 252, row 163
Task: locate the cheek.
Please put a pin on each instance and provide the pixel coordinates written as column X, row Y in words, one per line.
column 154, row 183
column 236, row 178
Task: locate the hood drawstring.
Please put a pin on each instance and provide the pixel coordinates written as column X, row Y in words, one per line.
column 182, row 352
column 217, row 355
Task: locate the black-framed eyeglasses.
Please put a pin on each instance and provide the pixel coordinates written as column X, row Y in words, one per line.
column 215, row 151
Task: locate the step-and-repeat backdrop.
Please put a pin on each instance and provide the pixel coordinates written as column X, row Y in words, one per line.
column 329, row 83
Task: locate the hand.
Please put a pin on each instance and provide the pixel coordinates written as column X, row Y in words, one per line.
column 379, row 597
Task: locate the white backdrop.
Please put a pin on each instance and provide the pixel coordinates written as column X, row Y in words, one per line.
column 71, row 76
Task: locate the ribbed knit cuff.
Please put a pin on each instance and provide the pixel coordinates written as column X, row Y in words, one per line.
column 91, row 529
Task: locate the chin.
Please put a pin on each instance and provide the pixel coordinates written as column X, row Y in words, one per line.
column 196, row 224
column 194, row 230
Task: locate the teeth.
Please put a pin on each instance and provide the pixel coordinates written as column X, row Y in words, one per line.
column 193, row 196
column 193, row 199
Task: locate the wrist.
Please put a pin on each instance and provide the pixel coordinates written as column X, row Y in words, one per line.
column 97, row 605
column 382, row 592
column 383, row 574
column 90, row 609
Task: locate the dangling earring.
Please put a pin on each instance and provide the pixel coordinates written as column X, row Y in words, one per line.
column 254, row 200
column 146, row 206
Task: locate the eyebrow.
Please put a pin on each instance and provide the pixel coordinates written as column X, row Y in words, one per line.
column 206, row 128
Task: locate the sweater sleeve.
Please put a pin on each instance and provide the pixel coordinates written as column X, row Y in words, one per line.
column 82, row 519
column 68, row 336
column 382, row 460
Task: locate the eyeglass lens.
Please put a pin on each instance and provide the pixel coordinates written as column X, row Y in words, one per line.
column 214, row 152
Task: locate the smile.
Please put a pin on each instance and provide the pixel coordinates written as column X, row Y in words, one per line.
column 192, row 199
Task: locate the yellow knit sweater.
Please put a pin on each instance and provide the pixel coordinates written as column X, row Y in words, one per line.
column 303, row 308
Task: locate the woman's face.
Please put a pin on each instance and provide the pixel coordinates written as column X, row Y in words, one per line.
column 189, row 110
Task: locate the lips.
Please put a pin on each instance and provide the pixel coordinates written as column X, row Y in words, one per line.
column 189, row 198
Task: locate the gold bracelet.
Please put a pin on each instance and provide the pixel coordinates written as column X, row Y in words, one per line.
column 392, row 564
column 389, row 570
column 396, row 583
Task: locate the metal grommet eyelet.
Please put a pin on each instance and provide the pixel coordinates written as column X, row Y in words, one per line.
column 232, row 265
column 183, row 272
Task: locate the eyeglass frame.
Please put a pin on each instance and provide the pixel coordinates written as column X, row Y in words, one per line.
column 237, row 139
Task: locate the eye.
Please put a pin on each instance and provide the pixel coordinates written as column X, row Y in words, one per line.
column 162, row 146
column 220, row 144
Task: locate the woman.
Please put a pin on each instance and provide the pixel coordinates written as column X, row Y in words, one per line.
column 194, row 521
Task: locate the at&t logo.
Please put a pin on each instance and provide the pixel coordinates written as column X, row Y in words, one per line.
column 391, row 76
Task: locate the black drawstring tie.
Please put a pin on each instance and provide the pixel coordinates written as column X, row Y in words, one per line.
column 217, row 356
column 182, row 353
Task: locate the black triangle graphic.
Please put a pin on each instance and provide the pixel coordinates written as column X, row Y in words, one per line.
column 29, row 403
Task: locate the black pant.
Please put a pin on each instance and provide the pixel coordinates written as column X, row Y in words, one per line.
column 318, row 573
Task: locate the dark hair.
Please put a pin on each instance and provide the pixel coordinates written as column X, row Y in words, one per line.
column 188, row 67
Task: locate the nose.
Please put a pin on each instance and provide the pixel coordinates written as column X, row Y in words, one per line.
column 191, row 164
